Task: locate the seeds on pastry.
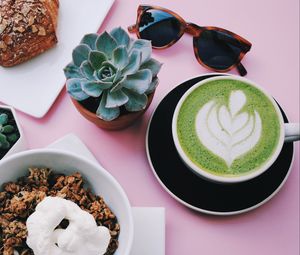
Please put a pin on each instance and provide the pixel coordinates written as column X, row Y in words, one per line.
column 30, row 20
column 3, row 46
column 25, row 21
column 7, row 39
column 42, row 31
column 2, row 27
column 34, row 29
column 25, row 9
column 19, row 29
column 18, row 17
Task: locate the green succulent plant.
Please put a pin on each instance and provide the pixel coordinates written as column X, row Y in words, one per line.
column 114, row 68
column 8, row 134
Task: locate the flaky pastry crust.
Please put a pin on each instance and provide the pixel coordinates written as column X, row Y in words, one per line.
column 27, row 28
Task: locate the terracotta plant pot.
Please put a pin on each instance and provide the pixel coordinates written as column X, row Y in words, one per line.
column 123, row 121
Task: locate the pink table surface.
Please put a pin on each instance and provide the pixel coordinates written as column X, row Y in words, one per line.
column 273, row 28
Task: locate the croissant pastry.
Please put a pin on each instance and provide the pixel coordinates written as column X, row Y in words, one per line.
column 27, row 28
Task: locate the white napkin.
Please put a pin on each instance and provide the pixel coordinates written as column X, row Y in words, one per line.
column 149, row 222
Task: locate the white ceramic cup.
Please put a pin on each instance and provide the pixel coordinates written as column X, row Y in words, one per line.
column 100, row 181
column 289, row 132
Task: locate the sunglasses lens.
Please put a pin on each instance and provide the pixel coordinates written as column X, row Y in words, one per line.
column 218, row 49
column 160, row 27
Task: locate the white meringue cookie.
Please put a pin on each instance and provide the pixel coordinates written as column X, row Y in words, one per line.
column 82, row 236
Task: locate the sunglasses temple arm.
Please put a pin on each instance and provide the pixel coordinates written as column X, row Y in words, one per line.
column 241, row 69
column 132, row 29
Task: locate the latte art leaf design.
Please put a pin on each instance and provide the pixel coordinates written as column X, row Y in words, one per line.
column 226, row 131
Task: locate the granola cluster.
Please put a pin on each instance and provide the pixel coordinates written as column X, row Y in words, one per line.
column 19, row 199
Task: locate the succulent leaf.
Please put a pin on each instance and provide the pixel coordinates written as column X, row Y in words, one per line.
column 119, row 85
column 107, row 72
column 139, row 81
column 116, row 99
column 87, row 70
column 90, row 40
column 107, row 114
column 96, row 58
column 7, row 129
column 75, row 90
column 12, row 138
column 131, row 41
column 144, row 46
column 117, row 77
column 80, row 54
column 121, row 36
column 120, row 57
column 91, row 88
column 72, row 71
column 135, row 59
column 2, row 138
column 103, row 85
column 152, row 86
column 136, row 102
column 106, row 44
column 152, row 65
column 4, row 144
column 115, row 68
column 3, row 118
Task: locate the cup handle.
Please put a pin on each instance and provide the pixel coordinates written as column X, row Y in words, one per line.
column 292, row 132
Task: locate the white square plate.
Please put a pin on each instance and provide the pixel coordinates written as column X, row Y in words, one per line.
column 32, row 87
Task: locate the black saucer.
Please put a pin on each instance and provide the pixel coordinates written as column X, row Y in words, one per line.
column 195, row 192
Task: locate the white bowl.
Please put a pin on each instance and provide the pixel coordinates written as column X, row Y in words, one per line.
column 100, row 181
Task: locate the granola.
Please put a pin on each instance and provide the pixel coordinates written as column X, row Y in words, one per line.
column 19, row 199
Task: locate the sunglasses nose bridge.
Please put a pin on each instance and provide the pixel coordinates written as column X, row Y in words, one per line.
column 192, row 29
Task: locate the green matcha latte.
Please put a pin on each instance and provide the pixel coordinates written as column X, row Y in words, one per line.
column 228, row 128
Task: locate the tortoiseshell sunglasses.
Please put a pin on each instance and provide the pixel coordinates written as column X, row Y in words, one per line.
column 215, row 48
